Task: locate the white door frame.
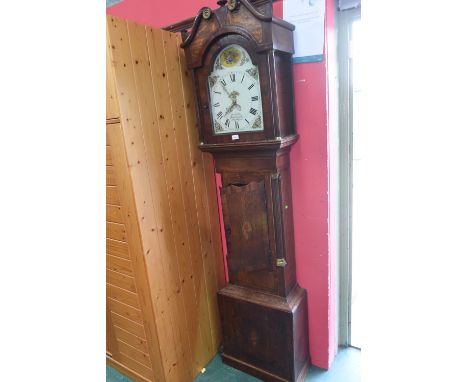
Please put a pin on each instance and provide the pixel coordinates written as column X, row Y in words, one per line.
column 345, row 20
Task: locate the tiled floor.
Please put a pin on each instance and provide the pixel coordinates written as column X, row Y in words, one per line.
column 345, row 368
column 113, row 375
column 217, row 371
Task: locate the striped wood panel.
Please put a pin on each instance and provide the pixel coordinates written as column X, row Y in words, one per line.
column 133, row 353
column 116, row 231
column 110, row 177
column 117, row 264
column 122, row 295
column 120, row 279
column 125, row 310
column 131, row 339
column 129, row 325
column 175, row 194
column 123, row 301
column 112, row 195
column 137, row 367
column 117, row 248
column 108, row 156
column 114, row 214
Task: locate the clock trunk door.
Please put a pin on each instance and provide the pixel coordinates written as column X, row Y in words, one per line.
column 246, row 226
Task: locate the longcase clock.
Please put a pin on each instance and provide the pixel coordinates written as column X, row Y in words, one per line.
column 240, row 57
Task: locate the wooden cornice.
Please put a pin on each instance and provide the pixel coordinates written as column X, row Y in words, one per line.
column 186, row 24
column 253, row 11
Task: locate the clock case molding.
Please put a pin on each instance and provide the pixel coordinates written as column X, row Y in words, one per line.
column 263, row 309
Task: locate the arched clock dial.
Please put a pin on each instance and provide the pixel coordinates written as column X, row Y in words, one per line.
column 235, row 96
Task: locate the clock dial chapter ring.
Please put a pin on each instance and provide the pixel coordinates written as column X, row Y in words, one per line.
column 235, row 93
column 238, row 102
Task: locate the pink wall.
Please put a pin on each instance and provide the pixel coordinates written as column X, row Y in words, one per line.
column 313, row 167
column 159, row 13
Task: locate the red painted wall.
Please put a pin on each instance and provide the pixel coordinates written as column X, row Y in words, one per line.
column 159, row 13
column 313, row 168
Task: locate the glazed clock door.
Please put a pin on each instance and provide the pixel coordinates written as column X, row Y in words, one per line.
column 235, row 93
column 246, row 226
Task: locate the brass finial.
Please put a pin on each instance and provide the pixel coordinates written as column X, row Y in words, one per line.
column 206, row 13
column 232, row 4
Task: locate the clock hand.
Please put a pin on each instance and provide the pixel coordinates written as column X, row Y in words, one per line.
column 229, row 109
column 225, row 90
column 233, row 96
column 233, row 105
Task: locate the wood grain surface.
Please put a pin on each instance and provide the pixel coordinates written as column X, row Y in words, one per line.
column 163, row 244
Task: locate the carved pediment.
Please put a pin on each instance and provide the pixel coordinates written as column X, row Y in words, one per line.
column 253, row 20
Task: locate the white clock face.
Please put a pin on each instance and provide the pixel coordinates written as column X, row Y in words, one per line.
column 235, row 97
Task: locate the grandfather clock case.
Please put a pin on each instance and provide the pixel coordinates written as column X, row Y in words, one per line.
column 240, row 58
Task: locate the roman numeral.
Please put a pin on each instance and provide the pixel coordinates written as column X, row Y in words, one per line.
column 228, row 121
column 220, row 114
column 248, row 123
column 223, row 82
column 242, row 80
column 233, row 77
column 251, row 86
column 255, row 98
column 217, row 92
column 216, row 104
column 253, row 111
column 237, row 124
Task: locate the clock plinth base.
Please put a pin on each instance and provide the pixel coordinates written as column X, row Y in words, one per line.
column 265, row 335
column 260, row 373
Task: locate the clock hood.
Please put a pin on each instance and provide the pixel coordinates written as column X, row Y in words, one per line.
column 253, row 20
